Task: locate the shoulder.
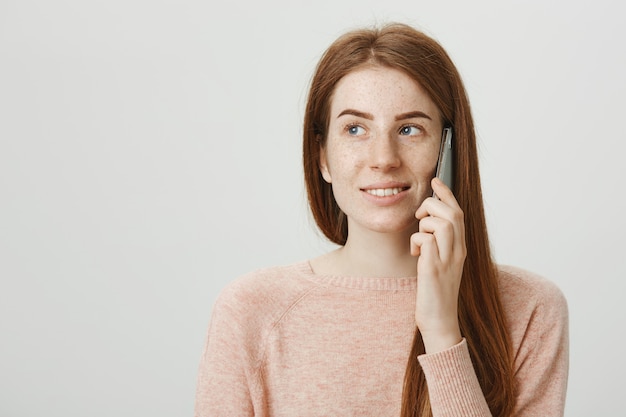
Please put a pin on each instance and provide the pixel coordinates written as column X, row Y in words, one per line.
column 251, row 305
column 522, row 285
column 519, row 287
column 265, row 290
column 531, row 302
column 267, row 287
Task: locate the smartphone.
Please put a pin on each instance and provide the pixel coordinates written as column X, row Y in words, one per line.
column 445, row 168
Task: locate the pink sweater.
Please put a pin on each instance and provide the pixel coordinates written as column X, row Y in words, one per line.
column 286, row 342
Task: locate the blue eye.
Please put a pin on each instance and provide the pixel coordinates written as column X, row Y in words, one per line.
column 355, row 130
column 410, row 130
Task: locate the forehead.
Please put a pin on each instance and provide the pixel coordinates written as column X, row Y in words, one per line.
column 381, row 90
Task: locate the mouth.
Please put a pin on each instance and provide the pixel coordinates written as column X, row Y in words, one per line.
column 385, row 192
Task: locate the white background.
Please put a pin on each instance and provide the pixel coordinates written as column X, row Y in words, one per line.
column 150, row 154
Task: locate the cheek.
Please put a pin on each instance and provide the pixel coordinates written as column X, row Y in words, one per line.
column 424, row 165
column 341, row 162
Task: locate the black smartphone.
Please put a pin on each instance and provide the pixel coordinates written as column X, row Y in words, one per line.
column 445, row 168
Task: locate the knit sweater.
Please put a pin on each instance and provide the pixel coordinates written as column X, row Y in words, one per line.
column 285, row 341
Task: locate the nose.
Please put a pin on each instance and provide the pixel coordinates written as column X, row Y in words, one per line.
column 384, row 154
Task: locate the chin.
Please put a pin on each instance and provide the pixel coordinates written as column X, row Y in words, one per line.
column 393, row 226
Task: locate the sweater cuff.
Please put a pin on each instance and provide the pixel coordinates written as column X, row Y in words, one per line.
column 452, row 383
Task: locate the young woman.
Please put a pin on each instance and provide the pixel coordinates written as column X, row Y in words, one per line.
column 409, row 316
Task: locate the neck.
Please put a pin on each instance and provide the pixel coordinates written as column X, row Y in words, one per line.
column 376, row 254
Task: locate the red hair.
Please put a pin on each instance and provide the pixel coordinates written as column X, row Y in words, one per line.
column 481, row 316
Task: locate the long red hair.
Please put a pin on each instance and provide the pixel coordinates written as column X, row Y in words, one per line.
column 481, row 316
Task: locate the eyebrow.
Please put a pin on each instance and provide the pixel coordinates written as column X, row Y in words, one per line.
column 356, row 113
column 369, row 116
column 413, row 115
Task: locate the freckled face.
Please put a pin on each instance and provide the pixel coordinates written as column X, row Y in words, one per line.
column 381, row 150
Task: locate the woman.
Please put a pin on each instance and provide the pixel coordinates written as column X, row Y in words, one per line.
column 409, row 316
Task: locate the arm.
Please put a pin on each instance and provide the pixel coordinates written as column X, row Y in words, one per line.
column 540, row 321
column 441, row 250
column 453, row 386
column 542, row 361
column 224, row 373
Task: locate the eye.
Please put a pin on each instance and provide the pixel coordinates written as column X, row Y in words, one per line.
column 410, row 130
column 355, row 130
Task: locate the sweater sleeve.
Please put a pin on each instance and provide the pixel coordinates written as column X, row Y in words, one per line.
column 223, row 386
column 453, row 387
column 541, row 364
column 542, row 361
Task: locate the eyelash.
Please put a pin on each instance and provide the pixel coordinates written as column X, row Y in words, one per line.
column 350, row 126
column 409, row 126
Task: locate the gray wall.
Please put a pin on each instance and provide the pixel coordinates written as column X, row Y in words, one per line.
column 150, row 153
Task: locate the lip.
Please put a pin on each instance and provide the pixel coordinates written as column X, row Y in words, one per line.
column 389, row 199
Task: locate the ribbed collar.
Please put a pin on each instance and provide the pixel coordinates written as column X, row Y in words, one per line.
column 362, row 283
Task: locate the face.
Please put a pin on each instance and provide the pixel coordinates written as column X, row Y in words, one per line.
column 381, row 150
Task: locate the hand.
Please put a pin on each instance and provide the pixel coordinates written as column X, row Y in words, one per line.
column 440, row 245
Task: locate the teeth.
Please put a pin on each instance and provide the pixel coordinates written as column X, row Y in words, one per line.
column 384, row 192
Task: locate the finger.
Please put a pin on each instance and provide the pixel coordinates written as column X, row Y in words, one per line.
column 437, row 208
column 448, row 226
column 444, row 232
column 445, row 198
column 424, row 209
column 443, row 192
column 424, row 245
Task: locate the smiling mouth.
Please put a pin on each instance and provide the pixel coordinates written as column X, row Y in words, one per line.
column 385, row 192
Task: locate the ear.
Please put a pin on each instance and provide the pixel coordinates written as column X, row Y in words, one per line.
column 324, row 166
